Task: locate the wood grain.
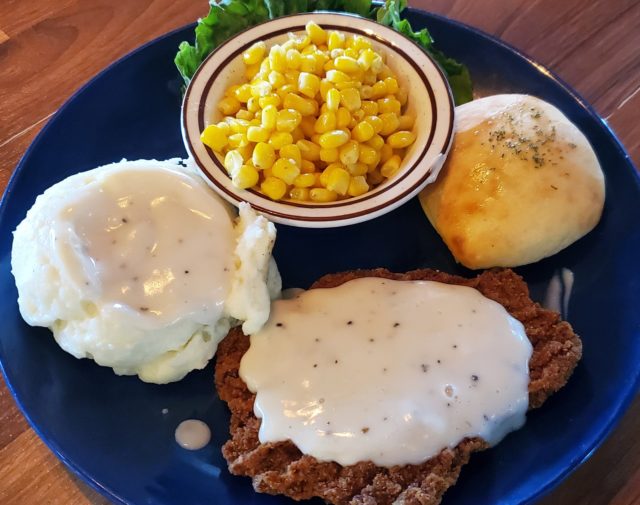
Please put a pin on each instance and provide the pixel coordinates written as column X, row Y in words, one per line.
column 49, row 48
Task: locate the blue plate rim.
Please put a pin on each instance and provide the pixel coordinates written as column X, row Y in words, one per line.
column 614, row 417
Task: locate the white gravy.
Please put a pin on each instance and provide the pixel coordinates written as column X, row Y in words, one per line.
column 145, row 240
column 192, row 434
column 387, row 371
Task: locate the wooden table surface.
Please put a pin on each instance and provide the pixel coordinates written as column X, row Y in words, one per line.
column 48, row 48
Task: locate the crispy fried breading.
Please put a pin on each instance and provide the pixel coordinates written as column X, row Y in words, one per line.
column 280, row 468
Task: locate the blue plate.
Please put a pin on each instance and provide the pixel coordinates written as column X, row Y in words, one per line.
column 112, row 431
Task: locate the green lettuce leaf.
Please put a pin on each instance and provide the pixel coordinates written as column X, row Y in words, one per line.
column 228, row 17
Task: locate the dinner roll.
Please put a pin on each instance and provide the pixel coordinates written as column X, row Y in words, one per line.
column 520, row 184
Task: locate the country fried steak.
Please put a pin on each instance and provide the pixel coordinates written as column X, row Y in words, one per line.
column 280, row 468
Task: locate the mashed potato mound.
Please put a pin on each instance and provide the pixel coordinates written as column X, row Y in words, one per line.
column 70, row 281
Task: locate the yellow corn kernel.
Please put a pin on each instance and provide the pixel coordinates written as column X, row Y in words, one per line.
column 238, row 125
column 294, row 58
column 401, row 139
column 350, row 98
column 334, row 138
column 303, row 42
column 337, row 52
column 325, row 122
column 309, row 50
column 360, row 43
column 357, row 168
column 363, row 131
column 406, row 122
column 369, row 79
column 368, row 155
column 389, row 105
column 386, row 152
column 269, row 117
column 232, row 162
column 366, row 92
column 390, row 123
column 377, row 64
column 276, row 79
column 357, row 186
column 343, row 117
column 305, row 106
column 329, row 65
column 291, row 152
column 251, row 71
column 347, row 84
column 288, row 120
column 366, row 58
column 402, row 96
column 376, row 142
column 278, row 58
column 231, row 90
column 280, row 139
column 229, row 106
column 369, row 107
column 308, row 84
column 243, row 93
column 263, row 155
column 329, row 155
column 272, row 99
column 346, row 64
column 253, row 105
column 255, row 53
column 335, row 40
column 358, row 115
column 316, row 33
column 392, row 85
column 246, row 177
column 285, row 169
column 246, row 152
column 214, row 137
column 378, row 90
column 325, row 87
column 338, row 181
column 333, row 99
column 322, row 195
column 376, row 122
column 390, row 166
column 258, row 134
column 307, row 126
column 238, row 140
column 336, row 76
column 273, row 187
column 304, row 180
column 224, row 126
column 324, row 108
column 349, row 152
column 261, row 88
column 308, row 64
column 285, row 90
column 351, row 52
column 300, row 194
column 315, row 138
column 244, row 114
column 324, row 175
column 308, row 150
column 307, row 166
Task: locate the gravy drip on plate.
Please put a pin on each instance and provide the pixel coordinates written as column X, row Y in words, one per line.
column 192, row 434
column 387, row 371
column 151, row 241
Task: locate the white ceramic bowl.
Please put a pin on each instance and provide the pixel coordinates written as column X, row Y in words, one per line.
column 430, row 100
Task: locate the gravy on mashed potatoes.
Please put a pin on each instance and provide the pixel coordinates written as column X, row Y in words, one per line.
column 521, row 183
column 140, row 267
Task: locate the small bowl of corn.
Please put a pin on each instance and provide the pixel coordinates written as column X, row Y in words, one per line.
column 318, row 119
